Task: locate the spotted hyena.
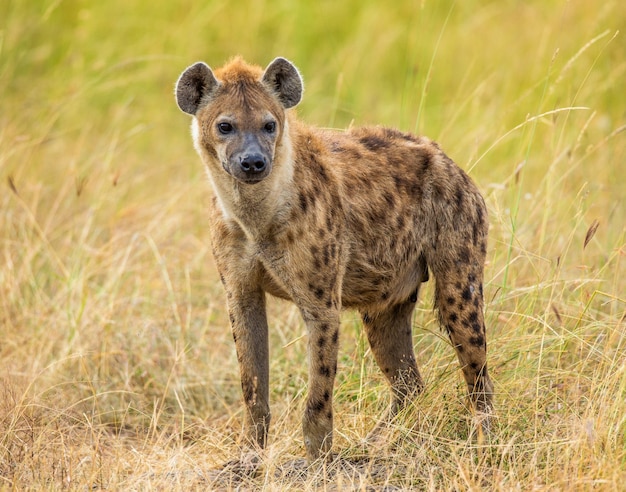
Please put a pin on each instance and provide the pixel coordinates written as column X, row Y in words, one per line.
column 330, row 220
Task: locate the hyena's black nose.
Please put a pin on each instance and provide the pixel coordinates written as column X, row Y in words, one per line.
column 253, row 163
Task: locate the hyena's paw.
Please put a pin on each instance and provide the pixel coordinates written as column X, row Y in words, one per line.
column 483, row 426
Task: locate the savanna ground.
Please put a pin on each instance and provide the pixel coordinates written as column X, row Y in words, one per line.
column 117, row 366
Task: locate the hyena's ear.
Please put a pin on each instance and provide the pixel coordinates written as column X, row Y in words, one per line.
column 283, row 78
column 193, row 86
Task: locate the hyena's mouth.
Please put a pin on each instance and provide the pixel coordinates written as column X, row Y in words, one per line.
column 251, row 179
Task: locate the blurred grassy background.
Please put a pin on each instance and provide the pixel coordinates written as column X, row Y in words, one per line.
column 114, row 335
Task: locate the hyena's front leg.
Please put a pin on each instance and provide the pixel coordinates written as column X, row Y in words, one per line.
column 313, row 283
column 248, row 320
column 317, row 423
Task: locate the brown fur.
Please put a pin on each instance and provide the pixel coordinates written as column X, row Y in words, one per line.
column 334, row 220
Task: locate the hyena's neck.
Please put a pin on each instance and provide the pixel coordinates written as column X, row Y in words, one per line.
column 260, row 208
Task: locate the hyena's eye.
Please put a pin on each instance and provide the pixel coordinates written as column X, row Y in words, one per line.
column 225, row 128
column 270, row 127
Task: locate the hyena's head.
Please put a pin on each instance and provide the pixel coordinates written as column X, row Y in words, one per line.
column 239, row 114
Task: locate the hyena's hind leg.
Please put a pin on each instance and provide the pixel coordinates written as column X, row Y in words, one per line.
column 459, row 300
column 390, row 337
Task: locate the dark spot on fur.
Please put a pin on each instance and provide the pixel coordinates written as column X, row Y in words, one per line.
column 475, row 234
column 473, row 317
column 317, row 166
column 477, row 341
column 303, row 202
column 326, row 256
column 373, row 142
column 476, row 301
column 474, row 365
column 235, row 337
column 366, row 318
column 386, row 370
column 321, row 341
column 477, row 328
column 317, row 406
column 384, row 296
column 318, row 291
column 375, row 215
column 329, row 303
column 401, row 183
column 458, row 194
column 391, row 201
column 232, row 319
column 466, row 294
column 400, row 222
column 483, row 247
column 326, row 396
column 324, row 327
column 335, row 337
column 471, row 278
column 453, row 317
column 358, row 226
column 325, row 371
column 459, row 348
column 329, row 415
column 450, row 300
column 464, row 255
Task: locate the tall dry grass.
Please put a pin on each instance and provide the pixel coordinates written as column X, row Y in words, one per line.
column 117, row 368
